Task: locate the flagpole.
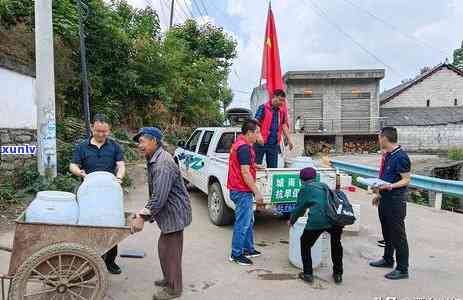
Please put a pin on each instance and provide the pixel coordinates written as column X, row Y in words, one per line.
column 265, row 36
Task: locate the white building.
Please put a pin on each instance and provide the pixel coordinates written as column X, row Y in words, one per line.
column 17, row 86
column 428, row 110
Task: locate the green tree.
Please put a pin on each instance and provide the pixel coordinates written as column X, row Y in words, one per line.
column 198, row 59
column 458, row 57
column 137, row 74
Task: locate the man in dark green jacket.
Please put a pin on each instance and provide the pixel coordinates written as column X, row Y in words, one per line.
column 313, row 196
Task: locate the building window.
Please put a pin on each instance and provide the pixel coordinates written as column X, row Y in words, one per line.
column 428, row 103
column 455, row 102
column 356, row 95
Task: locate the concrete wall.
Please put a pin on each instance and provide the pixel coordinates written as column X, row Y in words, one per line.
column 441, row 88
column 18, row 109
column 423, row 138
column 331, row 89
column 258, row 97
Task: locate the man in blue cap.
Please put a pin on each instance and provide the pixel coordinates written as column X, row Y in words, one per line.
column 168, row 205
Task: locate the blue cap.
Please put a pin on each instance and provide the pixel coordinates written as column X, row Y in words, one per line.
column 152, row 131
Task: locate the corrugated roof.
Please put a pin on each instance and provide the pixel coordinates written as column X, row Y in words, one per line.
column 422, row 116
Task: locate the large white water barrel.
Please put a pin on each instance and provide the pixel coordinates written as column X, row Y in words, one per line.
column 300, row 162
column 295, row 245
column 53, row 207
column 100, row 200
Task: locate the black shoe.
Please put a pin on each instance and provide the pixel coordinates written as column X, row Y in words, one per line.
column 337, row 278
column 113, row 268
column 381, row 243
column 255, row 253
column 241, row 260
column 306, row 277
column 381, row 264
column 161, row 283
column 396, row 275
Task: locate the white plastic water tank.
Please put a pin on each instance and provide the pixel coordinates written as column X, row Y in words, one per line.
column 100, row 200
column 300, row 162
column 295, row 245
column 53, row 207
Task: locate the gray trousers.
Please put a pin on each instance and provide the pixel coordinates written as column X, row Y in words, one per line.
column 170, row 249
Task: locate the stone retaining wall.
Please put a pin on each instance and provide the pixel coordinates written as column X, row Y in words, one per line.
column 10, row 163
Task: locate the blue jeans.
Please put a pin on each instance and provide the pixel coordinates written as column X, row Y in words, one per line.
column 243, row 235
column 271, row 154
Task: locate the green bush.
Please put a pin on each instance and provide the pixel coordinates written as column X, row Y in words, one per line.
column 455, row 154
column 181, row 134
column 419, row 198
column 33, row 182
column 121, row 135
column 7, row 191
column 130, row 154
column 450, row 202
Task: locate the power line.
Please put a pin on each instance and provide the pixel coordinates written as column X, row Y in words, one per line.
column 395, row 28
column 217, row 8
column 321, row 13
column 164, row 16
column 204, row 7
column 184, row 4
column 201, row 15
column 180, row 9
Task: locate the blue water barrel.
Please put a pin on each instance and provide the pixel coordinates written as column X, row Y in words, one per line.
column 100, row 200
column 53, row 207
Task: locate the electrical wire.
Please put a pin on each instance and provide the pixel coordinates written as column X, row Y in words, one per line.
column 395, row 28
column 322, row 14
column 189, row 9
column 204, row 7
column 201, row 15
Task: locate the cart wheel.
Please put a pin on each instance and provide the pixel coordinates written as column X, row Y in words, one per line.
column 61, row 272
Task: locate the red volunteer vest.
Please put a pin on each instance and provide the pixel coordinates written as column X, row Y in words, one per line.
column 235, row 180
column 267, row 121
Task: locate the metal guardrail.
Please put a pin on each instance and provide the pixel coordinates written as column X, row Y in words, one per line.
column 437, row 185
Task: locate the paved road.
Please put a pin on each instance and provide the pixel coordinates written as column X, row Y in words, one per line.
column 436, row 241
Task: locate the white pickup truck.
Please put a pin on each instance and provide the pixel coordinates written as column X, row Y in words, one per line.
column 203, row 162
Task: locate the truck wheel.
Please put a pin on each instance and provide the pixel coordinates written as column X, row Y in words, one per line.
column 219, row 213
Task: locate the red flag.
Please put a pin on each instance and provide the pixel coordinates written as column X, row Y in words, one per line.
column 271, row 69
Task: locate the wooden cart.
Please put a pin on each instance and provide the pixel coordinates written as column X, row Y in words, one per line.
column 58, row 262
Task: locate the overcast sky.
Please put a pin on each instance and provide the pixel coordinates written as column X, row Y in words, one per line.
column 399, row 36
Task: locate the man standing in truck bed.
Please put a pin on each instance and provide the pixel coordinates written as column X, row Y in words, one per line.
column 273, row 121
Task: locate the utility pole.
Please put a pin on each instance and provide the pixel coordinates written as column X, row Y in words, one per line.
column 172, row 13
column 45, row 89
column 83, row 73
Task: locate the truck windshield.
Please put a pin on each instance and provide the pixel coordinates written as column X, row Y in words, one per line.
column 225, row 142
column 206, row 140
column 193, row 142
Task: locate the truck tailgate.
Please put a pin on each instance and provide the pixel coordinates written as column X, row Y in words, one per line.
column 280, row 186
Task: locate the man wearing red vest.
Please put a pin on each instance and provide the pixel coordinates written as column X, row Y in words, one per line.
column 273, row 122
column 242, row 185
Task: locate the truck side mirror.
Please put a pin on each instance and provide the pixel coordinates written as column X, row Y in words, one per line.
column 181, row 144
